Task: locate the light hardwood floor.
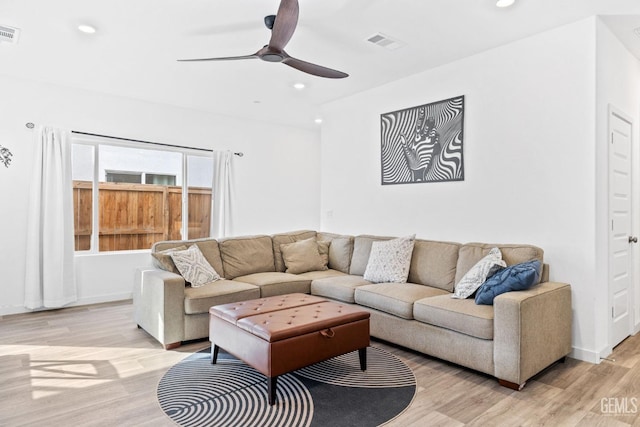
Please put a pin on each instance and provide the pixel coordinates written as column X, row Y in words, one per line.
column 91, row 366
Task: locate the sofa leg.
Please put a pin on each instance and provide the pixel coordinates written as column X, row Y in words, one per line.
column 562, row 360
column 172, row 345
column 512, row 386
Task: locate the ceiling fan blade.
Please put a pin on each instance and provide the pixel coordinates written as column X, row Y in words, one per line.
column 285, row 24
column 224, row 58
column 316, row 70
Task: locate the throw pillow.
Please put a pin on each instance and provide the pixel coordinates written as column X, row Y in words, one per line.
column 323, row 248
column 389, row 260
column 194, row 267
column 479, row 273
column 162, row 259
column 517, row 277
column 302, row 256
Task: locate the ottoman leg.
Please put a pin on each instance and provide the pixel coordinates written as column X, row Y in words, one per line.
column 273, row 383
column 362, row 353
column 214, row 354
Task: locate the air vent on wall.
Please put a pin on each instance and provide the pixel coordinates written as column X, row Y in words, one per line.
column 637, row 31
column 385, row 41
column 9, row 34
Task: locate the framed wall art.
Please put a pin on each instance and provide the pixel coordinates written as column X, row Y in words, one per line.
column 424, row 143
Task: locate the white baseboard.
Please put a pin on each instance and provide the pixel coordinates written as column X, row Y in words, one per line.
column 103, row 298
column 6, row 311
column 586, row 355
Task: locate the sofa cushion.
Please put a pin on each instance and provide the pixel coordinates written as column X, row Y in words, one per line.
column 517, row 277
column 462, row 316
column 162, row 259
column 199, row 300
column 276, row 283
column 322, row 274
column 475, row 277
column 434, row 264
column 394, row 298
column 471, row 253
column 302, row 256
column 389, row 261
column 284, row 238
column 340, row 250
column 246, row 255
column 361, row 251
column 211, row 251
column 193, row 266
column 340, row 287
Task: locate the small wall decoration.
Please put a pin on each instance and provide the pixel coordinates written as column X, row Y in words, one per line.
column 423, row 143
column 5, row 156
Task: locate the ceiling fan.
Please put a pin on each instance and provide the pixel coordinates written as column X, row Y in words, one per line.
column 282, row 27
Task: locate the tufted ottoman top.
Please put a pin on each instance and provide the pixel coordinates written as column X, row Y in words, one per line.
column 281, row 317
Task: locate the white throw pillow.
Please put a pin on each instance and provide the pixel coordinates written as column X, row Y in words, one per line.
column 479, row 273
column 389, row 260
column 194, row 267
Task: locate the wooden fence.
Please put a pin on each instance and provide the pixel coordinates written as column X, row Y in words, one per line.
column 134, row 216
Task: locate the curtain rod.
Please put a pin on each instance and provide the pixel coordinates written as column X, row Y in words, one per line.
column 239, row 154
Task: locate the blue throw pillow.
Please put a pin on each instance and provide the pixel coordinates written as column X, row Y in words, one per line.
column 517, row 277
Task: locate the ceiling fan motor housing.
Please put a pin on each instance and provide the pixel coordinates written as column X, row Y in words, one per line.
column 269, row 20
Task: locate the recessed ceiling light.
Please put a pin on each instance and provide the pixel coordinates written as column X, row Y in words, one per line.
column 299, row 86
column 87, row 29
column 318, row 120
column 504, row 3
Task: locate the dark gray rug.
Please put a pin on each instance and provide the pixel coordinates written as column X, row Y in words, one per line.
column 332, row 393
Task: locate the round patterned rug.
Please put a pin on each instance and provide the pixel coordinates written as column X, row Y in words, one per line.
column 334, row 392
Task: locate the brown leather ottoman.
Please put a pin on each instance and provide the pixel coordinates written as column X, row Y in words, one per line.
column 280, row 334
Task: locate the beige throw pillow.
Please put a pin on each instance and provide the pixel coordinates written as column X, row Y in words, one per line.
column 194, row 267
column 302, row 256
column 162, row 259
column 323, row 248
column 390, row 260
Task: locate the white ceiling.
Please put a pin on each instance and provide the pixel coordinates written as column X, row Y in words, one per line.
column 134, row 52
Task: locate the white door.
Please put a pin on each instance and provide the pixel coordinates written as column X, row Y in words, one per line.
column 620, row 239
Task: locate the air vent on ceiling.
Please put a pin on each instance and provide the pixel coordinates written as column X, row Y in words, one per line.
column 9, row 34
column 385, row 41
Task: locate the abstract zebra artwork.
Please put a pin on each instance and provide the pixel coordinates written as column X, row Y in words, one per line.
column 5, row 156
column 424, row 143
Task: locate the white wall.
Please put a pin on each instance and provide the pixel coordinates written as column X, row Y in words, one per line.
column 277, row 181
column 529, row 155
column 618, row 85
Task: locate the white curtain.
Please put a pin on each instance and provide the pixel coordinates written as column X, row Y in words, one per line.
column 221, row 219
column 50, row 275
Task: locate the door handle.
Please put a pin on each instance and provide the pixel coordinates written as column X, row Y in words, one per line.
column 633, row 239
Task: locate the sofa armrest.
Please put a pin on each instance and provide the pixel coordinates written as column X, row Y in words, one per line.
column 158, row 300
column 532, row 330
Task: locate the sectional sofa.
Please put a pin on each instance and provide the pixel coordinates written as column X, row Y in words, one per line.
column 518, row 336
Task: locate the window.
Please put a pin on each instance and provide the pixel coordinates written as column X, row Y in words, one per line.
column 138, row 195
column 140, row 177
column 130, row 177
